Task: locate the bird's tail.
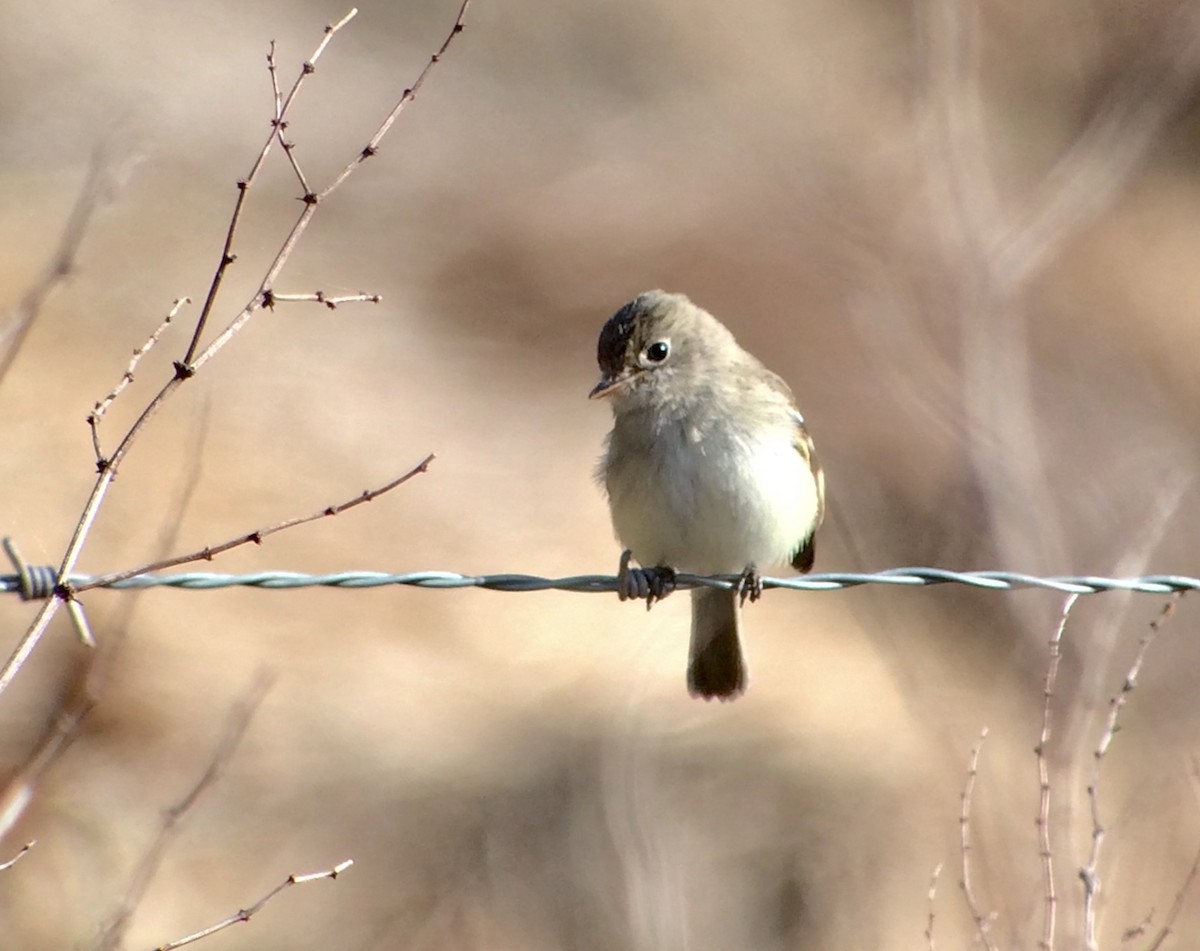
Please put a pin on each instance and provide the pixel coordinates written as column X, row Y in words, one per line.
column 716, row 667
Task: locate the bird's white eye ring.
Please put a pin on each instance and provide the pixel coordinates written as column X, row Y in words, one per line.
column 657, row 352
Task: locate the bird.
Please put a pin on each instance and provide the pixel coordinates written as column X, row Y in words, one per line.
column 709, row 469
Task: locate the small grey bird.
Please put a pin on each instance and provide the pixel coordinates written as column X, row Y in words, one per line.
column 708, row 468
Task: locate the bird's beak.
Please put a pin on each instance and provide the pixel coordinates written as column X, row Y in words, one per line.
column 609, row 385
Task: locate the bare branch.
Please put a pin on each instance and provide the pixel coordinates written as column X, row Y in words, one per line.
column 102, row 406
column 245, row 914
column 1136, row 931
column 982, row 923
column 256, row 537
column 243, row 186
column 320, row 297
column 1043, row 817
column 933, row 881
column 1089, row 874
column 372, row 147
column 194, row 358
column 311, row 199
column 280, row 123
column 5, row 866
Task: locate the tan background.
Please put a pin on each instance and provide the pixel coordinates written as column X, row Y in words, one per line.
column 969, row 246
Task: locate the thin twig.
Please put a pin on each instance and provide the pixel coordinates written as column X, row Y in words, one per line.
column 244, row 185
column 1089, row 874
column 933, row 881
column 237, row 722
column 312, row 200
column 256, row 537
column 320, row 297
column 5, row 866
column 1043, row 817
column 245, row 914
column 103, row 405
column 280, row 123
column 372, row 147
column 982, row 922
column 1136, row 931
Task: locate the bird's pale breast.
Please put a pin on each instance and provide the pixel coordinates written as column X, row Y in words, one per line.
column 713, row 500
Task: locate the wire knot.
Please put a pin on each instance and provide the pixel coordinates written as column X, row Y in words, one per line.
column 35, row 582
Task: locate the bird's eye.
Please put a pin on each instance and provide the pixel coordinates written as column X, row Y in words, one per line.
column 658, row 351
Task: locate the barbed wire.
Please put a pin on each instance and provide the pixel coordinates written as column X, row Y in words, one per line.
column 44, row 581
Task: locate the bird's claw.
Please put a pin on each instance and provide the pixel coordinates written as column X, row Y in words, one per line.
column 648, row 584
column 749, row 585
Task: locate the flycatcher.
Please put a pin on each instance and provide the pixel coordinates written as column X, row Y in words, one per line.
column 709, row 470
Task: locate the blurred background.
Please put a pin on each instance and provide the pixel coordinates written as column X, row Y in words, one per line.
column 966, row 238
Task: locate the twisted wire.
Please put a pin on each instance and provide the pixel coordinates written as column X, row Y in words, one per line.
column 827, row 581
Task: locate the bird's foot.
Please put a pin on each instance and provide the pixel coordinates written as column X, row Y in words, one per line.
column 749, row 585
column 649, row 584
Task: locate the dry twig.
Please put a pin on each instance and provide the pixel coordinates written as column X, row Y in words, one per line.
column 982, row 922
column 1089, row 874
column 102, row 406
column 320, row 297
column 933, row 880
column 245, row 914
column 244, row 185
column 1043, row 817
column 6, row 865
column 256, row 537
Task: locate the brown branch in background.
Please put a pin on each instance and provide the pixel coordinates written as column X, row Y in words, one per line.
column 96, row 190
column 1043, row 816
column 102, row 406
column 1090, row 176
column 245, row 914
column 320, row 297
column 992, row 329
column 256, row 537
column 1136, row 931
column 1089, row 874
column 982, row 923
column 236, row 723
column 996, row 252
column 932, row 895
column 5, row 866
column 186, row 368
